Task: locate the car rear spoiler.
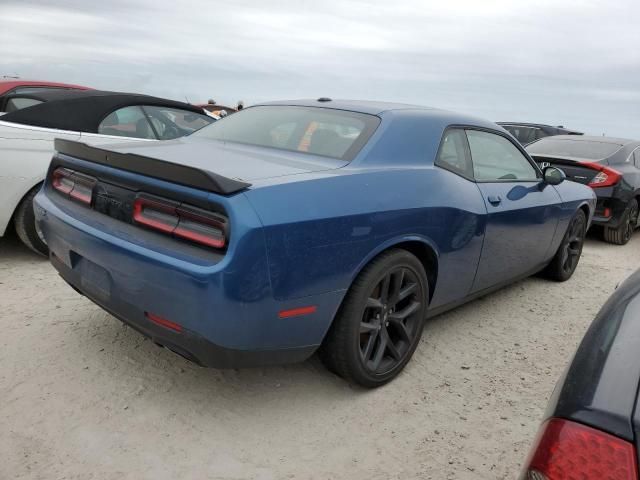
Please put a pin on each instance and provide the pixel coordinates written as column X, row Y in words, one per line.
column 152, row 167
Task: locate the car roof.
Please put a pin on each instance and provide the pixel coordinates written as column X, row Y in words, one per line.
column 82, row 111
column 10, row 84
column 440, row 116
column 51, row 94
column 361, row 106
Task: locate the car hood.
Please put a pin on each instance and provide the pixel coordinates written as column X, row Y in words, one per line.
column 231, row 160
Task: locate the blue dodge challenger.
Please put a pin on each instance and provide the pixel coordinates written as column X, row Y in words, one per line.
column 295, row 226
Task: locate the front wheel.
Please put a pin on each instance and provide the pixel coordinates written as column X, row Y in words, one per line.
column 25, row 223
column 380, row 322
column 566, row 259
column 622, row 234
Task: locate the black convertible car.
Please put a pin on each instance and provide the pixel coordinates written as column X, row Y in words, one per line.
column 611, row 166
column 92, row 116
column 592, row 423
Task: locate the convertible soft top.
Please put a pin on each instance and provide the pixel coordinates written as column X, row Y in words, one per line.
column 82, row 111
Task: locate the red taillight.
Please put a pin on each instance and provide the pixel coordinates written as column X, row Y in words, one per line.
column 566, row 450
column 183, row 221
column 605, row 177
column 61, row 180
column 73, row 184
column 163, row 322
column 155, row 214
column 201, row 228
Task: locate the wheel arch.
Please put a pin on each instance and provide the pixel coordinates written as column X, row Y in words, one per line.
column 422, row 247
column 587, row 211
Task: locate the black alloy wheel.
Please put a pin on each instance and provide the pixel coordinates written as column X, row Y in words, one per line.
column 572, row 245
column 390, row 321
column 380, row 321
column 566, row 259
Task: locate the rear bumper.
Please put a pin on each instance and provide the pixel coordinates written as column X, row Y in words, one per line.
column 228, row 315
column 609, row 211
column 186, row 343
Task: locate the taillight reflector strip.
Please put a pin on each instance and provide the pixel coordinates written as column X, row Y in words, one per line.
column 566, row 449
column 296, row 312
column 179, row 220
column 163, row 322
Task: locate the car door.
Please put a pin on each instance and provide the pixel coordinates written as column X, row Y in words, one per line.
column 522, row 212
column 460, row 243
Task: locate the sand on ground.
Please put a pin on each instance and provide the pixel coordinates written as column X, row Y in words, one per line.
column 84, row 397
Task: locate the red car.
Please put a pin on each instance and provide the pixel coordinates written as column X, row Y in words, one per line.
column 14, row 93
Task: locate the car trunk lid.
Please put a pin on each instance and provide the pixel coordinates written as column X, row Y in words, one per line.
column 231, row 160
column 576, row 170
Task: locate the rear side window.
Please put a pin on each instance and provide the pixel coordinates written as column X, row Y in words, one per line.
column 524, row 134
column 18, row 103
column 321, row 131
column 495, row 158
column 454, row 155
column 636, row 154
column 127, row 122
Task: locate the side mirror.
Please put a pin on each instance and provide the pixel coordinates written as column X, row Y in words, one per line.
column 553, row 176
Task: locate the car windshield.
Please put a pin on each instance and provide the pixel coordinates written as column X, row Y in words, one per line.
column 321, row 131
column 589, row 150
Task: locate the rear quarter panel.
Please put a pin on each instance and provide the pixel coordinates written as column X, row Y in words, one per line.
column 320, row 232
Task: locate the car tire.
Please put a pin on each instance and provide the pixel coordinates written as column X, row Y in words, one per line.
column 566, row 259
column 25, row 223
column 622, row 234
column 380, row 321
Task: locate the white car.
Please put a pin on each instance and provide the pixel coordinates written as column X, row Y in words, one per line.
column 93, row 117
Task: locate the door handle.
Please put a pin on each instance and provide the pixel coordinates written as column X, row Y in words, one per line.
column 494, row 200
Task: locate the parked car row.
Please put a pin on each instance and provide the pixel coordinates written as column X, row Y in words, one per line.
column 331, row 226
column 611, row 166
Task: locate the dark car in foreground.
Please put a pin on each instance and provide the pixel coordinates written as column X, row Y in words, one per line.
column 611, row 166
column 293, row 226
column 526, row 133
column 591, row 426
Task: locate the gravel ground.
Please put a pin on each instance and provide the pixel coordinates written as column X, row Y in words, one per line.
column 85, row 397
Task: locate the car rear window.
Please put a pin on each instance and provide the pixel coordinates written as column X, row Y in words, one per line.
column 524, row 134
column 589, row 150
column 319, row 131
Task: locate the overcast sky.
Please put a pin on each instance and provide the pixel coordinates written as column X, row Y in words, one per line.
column 569, row 62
